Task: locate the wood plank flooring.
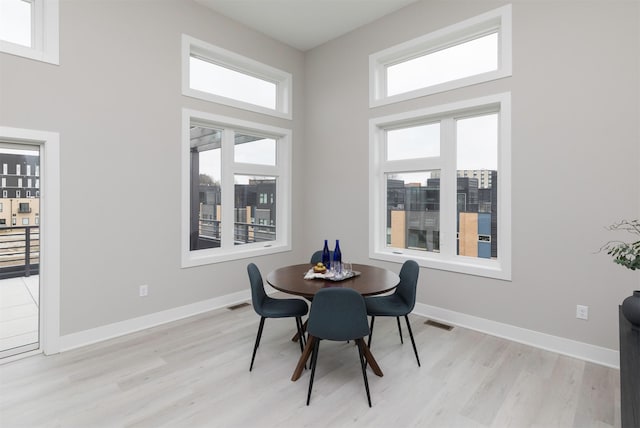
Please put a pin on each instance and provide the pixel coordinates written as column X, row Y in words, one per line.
column 195, row 373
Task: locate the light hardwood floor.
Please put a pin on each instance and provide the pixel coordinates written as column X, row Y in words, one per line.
column 195, row 373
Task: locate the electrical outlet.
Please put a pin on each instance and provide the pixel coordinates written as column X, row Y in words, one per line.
column 582, row 312
column 144, row 290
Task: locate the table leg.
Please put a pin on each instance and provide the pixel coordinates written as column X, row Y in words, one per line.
column 303, row 358
column 370, row 359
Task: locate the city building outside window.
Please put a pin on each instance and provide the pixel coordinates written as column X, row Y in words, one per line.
column 426, row 202
column 229, row 166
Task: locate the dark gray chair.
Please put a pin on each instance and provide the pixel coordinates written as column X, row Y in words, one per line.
column 317, row 257
column 398, row 304
column 268, row 307
column 338, row 314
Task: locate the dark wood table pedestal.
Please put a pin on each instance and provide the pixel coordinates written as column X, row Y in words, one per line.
column 371, row 361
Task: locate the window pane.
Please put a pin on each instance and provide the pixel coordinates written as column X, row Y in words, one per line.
column 255, row 150
column 413, row 210
column 15, row 21
column 255, row 209
column 215, row 79
column 477, row 187
column 456, row 62
column 206, row 202
column 414, row 142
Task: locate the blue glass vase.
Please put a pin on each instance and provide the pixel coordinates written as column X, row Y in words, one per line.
column 337, row 258
column 326, row 255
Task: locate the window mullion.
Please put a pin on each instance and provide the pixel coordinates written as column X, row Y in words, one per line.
column 228, row 189
column 448, row 188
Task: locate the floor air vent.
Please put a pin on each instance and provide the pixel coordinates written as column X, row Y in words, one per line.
column 438, row 325
column 238, row 306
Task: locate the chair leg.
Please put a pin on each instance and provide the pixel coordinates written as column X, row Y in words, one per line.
column 364, row 369
column 300, row 333
column 400, row 330
column 413, row 342
column 371, row 331
column 255, row 347
column 314, row 360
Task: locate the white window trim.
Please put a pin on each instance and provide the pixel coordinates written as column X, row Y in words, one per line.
column 232, row 60
column 45, row 34
column 447, row 259
column 498, row 19
column 282, row 170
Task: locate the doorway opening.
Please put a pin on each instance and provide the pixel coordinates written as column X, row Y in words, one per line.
column 20, row 217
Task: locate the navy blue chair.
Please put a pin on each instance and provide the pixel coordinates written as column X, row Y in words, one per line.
column 268, row 307
column 399, row 304
column 338, row 314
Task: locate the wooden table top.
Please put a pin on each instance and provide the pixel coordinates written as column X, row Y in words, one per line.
column 371, row 281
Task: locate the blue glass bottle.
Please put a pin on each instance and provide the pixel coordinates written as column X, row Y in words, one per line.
column 337, row 258
column 326, row 255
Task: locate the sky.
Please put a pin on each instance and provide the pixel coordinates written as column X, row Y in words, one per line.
column 15, row 18
column 477, row 144
column 261, row 152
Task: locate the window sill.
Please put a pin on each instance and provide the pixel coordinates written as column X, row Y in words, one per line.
column 217, row 255
column 457, row 264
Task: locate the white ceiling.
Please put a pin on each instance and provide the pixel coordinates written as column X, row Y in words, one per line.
column 304, row 24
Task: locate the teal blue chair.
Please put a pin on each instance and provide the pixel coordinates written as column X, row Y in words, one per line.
column 268, row 307
column 399, row 304
column 338, row 314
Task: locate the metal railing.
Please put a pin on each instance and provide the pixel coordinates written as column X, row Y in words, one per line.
column 244, row 233
column 19, row 251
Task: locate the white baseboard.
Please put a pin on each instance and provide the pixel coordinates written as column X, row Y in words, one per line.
column 584, row 351
column 110, row 331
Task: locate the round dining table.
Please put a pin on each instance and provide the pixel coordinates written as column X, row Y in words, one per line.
column 368, row 281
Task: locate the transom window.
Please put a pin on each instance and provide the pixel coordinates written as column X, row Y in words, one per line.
column 215, row 74
column 470, row 52
column 16, row 21
column 430, row 201
column 229, row 168
column 29, row 28
column 465, row 59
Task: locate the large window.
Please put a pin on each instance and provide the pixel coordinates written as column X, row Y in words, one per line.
column 218, row 75
column 29, row 28
column 473, row 51
column 229, row 168
column 440, row 186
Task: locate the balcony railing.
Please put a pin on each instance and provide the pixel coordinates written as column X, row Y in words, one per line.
column 244, row 233
column 19, row 251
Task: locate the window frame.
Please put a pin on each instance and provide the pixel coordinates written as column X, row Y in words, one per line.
column 496, row 20
column 45, row 34
column 242, row 64
column 282, row 171
column 446, row 259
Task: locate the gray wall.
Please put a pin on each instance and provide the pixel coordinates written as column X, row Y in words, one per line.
column 115, row 99
column 575, row 162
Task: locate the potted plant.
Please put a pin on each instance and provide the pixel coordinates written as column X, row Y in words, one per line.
column 627, row 254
